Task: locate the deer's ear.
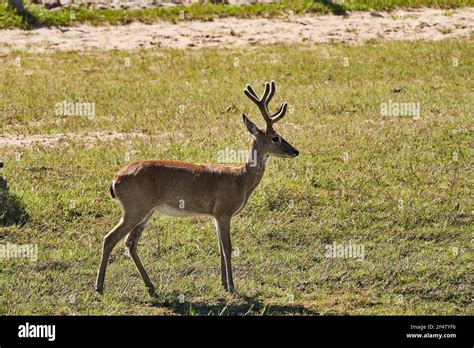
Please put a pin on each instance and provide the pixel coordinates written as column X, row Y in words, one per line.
column 252, row 128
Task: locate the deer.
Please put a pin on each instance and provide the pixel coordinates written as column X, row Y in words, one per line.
column 180, row 189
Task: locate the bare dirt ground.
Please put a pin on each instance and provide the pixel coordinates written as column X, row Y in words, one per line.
column 358, row 27
column 48, row 140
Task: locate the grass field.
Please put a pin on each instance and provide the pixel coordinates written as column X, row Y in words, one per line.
column 37, row 16
column 401, row 187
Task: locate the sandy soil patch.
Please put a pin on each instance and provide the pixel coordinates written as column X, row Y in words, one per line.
column 50, row 140
column 420, row 24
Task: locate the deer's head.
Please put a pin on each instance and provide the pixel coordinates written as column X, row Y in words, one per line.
column 268, row 140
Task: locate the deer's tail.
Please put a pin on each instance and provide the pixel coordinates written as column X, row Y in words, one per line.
column 112, row 191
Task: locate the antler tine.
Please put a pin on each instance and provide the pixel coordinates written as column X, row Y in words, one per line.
column 263, row 106
column 251, row 96
column 266, row 93
column 249, row 89
column 278, row 115
column 272, row 92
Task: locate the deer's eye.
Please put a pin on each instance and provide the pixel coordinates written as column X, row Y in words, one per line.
column 276, row 140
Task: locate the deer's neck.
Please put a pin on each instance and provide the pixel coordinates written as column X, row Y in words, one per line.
column 254, row 167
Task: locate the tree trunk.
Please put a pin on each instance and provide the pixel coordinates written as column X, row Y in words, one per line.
column 17, row 5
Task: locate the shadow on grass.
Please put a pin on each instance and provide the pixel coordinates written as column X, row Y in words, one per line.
column 335, row 9
column 31, row 20
column 12, row 211
column 243, row 306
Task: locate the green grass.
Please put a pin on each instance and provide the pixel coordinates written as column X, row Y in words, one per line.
column 37, row 16
column 405, row 192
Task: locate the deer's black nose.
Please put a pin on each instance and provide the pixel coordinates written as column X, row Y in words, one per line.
column 296, row 153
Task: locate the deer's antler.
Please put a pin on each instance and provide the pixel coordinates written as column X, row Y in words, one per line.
column 263, row 102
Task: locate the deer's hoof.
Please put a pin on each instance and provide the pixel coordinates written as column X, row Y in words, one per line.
column 152, row 292
column 233, row 292
column 99, row 287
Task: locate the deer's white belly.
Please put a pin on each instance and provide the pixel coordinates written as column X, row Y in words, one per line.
column 169, row 210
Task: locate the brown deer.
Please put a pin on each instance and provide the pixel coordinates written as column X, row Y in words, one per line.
column 189, row 189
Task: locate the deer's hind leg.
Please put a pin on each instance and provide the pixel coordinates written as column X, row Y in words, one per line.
column 128, row 222
column 131, row 243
